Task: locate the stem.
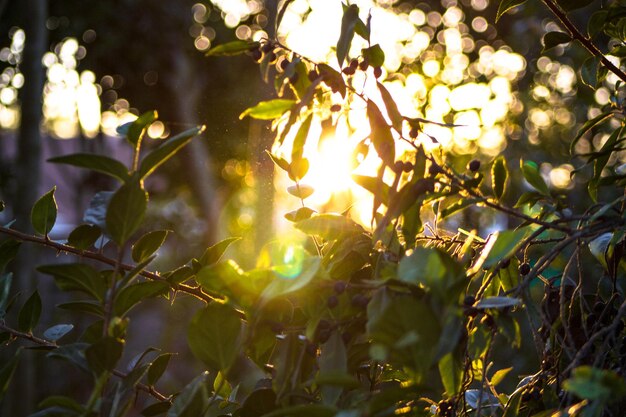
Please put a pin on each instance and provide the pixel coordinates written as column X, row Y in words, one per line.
column 586, row 42
column 43, row 342
column 110, row 298
column 24, row 237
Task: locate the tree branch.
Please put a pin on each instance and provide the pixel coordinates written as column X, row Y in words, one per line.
column 586, row 42
column 24, row 237
column 43, row 342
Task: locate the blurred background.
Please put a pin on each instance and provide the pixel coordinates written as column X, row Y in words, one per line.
column 72, row 71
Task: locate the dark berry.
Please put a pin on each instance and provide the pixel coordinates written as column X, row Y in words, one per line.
column 487, row 320
column 332, row 301
column 413, row 132
column 311, row 349
column 348, row 70
column 271, row 57
column 524, row 269
column 470, row 311
column 313, row 75
column 323, row 335
column 294, row 78
column 267, row 47
column 474, row 165
column 598, row 307
column 505, row 263
column 256, row 54
column 360, row 301
column 354, row 64
column 340, row 287
column 434, row 169
column 378, row 71
column 335, row 108
column 407, row 166
column 398, row 166
column 363, row 65
column 526, row 397
column 284, row 64
column 469, row 300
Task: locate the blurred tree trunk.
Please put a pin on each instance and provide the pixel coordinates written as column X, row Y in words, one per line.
column 260, row 140
column 34, row 15
column 200, row 173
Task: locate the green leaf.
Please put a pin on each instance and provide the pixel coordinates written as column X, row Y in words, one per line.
column 374, row 186
column 588, row 125
column 499, row 375
column 459, row 205
column 497, row 302
column 54, row 333
column 148, row 244
column 87, row 307
column 596, row 22
column 259, row 403
column 232, row 48
column 280, row 162
column 332, row 78
column 158, row 367
column 298, row 168
column 98, row 163
column 552, row 39
column 333, row 358
column 589, row 71
column 44, row 213
column 530, row 170
column 375, row 55
column 104, row 354
column 304, row 410
column 76, row 277
column 595, row 384
column 214, row 336
column 74, row 353
column 381, row 134
column 138, row 127
column 504, row 246
column 8, row 251
column 300, row 214
column 285, row 285
column 348, row 22
column 506, row 5
column 133, row 294
column 269, row 110
column 84, row 236
column 30, row 313
column 329, row 226
column 7, row 371
column 392, row 109
column 450, row 370
column 192, row 400
column 5, row 289
column 499, row 177
column 169, row 148
column 156, row 409
column 214, row 253
column 300, row 139
column 125, row 212
column 300, row 190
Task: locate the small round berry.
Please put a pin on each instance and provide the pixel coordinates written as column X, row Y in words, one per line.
column 313, row 75
column 271, row 57
column 267, row 47
column 474, row 165
column 360, row 301
column 378, row 71
column 524, row 269
column 398, row 166
column 407, row 166
column 323, row 335
column 335, row 108
column 354, row 64
column 284, row 64
column 340, row 287
column 413, row 132
column 256, row 55
column 434, row 169
column 363, row 65
column 505, row 263
column 469, row 300
column 470, row 311
column 332, row 301
column 348, row 70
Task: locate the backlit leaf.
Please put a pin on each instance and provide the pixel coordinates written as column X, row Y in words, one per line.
column 126, row 211
column 148, row 244
column 166, row 150
column 381, row 134
column 499, row 177
column 98, row 163
column 531, row 173
column 269, row 110
column 506, row 5
column 30, row 313
column 552, row 39
column 44, row 213
column 232, row 48
column 348, row 22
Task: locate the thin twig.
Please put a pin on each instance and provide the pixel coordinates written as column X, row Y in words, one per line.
column 43, row 342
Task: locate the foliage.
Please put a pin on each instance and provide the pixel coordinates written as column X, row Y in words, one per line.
column 404, row 319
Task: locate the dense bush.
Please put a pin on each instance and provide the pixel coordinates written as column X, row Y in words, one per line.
column 407, row 318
